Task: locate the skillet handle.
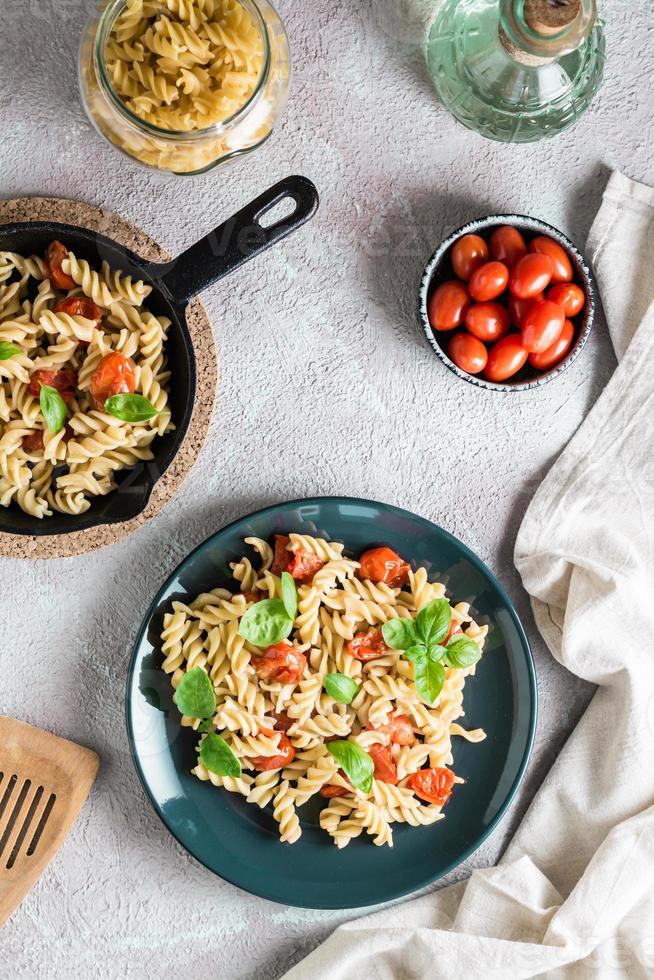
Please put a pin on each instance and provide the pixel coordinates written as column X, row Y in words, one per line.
column 237, row 240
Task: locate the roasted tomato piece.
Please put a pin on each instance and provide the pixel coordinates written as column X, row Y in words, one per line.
column 80, row 306
column 398, row 728
column 385, row 768
column 252, row 596
column 114, row 375
column 330, row 791
column 64, row 381
column 304, row 565
column 54, row 256
column 384, row 565
column 432, row 785
column 286, row 754
column 282, row 721
column 283, row 556
column 368, row 646
column 281, row 662
column 33, row 442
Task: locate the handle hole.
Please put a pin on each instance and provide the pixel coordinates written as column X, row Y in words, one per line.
column 279, row 212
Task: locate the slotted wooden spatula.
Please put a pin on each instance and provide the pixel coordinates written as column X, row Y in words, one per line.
column 44, row 781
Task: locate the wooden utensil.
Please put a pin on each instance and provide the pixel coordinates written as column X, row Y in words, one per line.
column 44, row 781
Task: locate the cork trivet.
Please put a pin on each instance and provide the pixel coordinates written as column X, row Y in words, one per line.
column 121, row 231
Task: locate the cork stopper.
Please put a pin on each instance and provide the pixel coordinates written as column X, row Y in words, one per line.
column 551, row 16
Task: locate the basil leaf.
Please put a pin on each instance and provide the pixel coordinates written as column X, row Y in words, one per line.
column 206, row 725
column 130, row 408
column 8, row 350
column 195, row 696
column 416, row 652
column 428, row 678
column 341, row 688
column 433, row 621
column 217, row 756
column 354, row 761
column 53, row 408
column 435, row 652
column 289, row 594
column 462, row 652
column 265, row 623
column 400, row 634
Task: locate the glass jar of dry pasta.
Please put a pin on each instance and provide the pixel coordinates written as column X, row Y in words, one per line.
column 185, row 85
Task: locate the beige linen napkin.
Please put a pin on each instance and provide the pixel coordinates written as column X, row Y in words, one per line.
column 574, row 894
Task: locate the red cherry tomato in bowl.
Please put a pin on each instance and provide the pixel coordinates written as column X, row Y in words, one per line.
column 368, row 646
column 281, row 662
column 507, row 245
column 468, row 253
column 531, row 275
column 385, row 768
column 549, row 358
column 383, row 565
column 561, row 264
column 518, row 308
column 468, row 353
column 432, row 785
column 488, row 281
column 506, row 358
column 54, row 256
column 114, row 375
column 447, row 305
column 64, row 380
column 542, row 326
column 264, row 763
column 570, row 297
column 488, row 321
column 79, row 306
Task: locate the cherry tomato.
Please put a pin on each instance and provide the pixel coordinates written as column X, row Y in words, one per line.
column 282, row 557
column 384, row 565
column 569, row 297
column 33, row 442
column 368, row 646
column 447, row 305
column 468, row 253
column 385, row 768
column 518, row 308
column 252, row 596
column 79, row 306
column 64, row 381
column 507, row 245
column 544, row 360
column 114, row 375
column 468, row 353
column 530, row 275
column 282, row 721
column 54, row 256
column 488, row 281
column 266, row 762
column 506, row 358
column 398, row 728
column 281, row 662
column 454, row 628
column 304, row 565
column 432, row 785
column 561, row 264
column 329, row 791
column 488, row 321
column 542, row 326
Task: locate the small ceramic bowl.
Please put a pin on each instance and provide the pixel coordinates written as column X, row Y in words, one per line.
column 439, row 269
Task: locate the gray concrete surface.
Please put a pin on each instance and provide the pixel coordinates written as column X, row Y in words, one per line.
column 327, row 387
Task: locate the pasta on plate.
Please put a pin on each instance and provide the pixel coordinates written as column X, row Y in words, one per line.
column 83, row 380
column 322, row 675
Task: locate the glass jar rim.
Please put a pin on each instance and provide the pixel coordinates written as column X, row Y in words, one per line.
column 106, row 22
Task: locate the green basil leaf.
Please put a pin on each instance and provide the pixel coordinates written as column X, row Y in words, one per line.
column 205, row 726
column 416, row 652
column 53, row 408
column 433, row 621
column 195, row 696
column 400, row 634
column 462, row 652
column 289, row 594
column 354, row 761
column 341, row 688
column 217, row 756
column 428, row 678
column 265, row 623
column 130, row 408
column 435, row 652
column 8, row 350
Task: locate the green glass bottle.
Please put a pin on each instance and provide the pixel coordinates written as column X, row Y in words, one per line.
column 516, row 70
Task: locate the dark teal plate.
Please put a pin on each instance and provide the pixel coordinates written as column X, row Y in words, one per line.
column 237, row 840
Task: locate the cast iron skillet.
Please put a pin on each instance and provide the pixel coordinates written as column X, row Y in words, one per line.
column 174, row 283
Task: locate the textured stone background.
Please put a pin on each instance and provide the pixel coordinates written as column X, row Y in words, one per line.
column 327, row 387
